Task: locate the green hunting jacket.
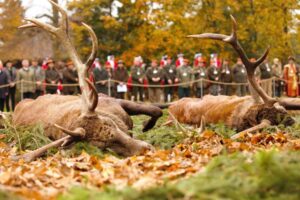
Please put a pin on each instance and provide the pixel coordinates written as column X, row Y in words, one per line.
column 185, row 74
column 28, row 76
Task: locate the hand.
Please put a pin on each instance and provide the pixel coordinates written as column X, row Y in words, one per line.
column 12, row 84
column 141, row 80
column 52, row 82
column 176, row 80
column 76, row 79
column 121, row 83
column 170, row 81
column 38, row 82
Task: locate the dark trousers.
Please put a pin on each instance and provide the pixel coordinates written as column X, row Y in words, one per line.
column 10, row 98
column 226, row 90
column 241, row 90
column 2, row 101
column 214, row 89
column 28, row 95
column 51, row 91
column 38, row 93
column 199, row 93
column 169, row 91
column 278, row 88
column 120, row 95
column 183, row 92
column 136, row 91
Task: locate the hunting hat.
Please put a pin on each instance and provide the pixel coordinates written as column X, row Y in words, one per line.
column 120, row 62
column 69, row 63
column 49, row 61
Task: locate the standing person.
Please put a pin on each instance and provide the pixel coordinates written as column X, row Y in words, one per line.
column 265, row 74
column 213, row 75
column 120, row 75
column 100, row 77
column 137, row 76
column 290, row 77
column 52, row 78
column 184, row 75
column 27, row 76
column 226, row 77
column 11, row 97
column 4, row 80
column 154, row 76
column 277, row 72
column 170, row 76
column 200, row 73
column 70, row 77
column 110, row 85
column 240, row 77
column 39, row 77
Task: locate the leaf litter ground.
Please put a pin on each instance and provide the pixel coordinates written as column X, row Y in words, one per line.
column 180, row 155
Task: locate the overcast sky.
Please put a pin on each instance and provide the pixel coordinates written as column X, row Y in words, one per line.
column 38, row 7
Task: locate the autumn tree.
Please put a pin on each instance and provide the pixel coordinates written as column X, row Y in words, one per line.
column 11, row 16
column 151, row 28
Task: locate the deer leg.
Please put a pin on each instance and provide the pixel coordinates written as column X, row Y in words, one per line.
column 133, row 108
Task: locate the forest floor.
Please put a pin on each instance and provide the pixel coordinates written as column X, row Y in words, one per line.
column 185, row 165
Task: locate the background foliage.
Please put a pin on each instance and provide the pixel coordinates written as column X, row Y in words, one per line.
column 152, row 28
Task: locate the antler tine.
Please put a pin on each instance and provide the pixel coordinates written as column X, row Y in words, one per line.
column 37, row 23
column 65, row 21
column 78, row 132
column 93, row 97
column 28, row 157
column 94, row 47
column 250, row 66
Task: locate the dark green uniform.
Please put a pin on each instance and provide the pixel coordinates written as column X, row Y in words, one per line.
column 170, row 75
column 226, row 77
column 136, row 74
column 184, row 75
column 201, row 86
column 213, row 75
column 154, row 76
column 240, row 76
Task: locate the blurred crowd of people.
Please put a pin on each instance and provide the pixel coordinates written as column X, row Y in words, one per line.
column 160, row 81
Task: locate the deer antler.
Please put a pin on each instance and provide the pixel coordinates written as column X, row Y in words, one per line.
column 250, row 66
column 62, row 34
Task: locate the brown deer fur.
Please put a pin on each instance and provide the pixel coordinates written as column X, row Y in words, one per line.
column 106, row 129
column 236, row 112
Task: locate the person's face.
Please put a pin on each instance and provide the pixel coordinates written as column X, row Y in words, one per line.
column 71, row 67
column 291, row 62
column 34, row 63
column 226, row 62
column 169, row 61
column 51, row 65
column 239, row 62
column 120, row 65
column 1, row 66
column 154, row 64
column 201, row 64
column 136, row 63
column 25, row 63
column 9, row 64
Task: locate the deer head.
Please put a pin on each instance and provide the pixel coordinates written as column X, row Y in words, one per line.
column 271, row 107
column 94, row 127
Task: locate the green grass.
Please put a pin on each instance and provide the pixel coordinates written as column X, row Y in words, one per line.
column 164, row 137
column 264, row 175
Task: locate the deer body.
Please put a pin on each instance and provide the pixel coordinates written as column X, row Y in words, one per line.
column 107, row 129
column 235, row 112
